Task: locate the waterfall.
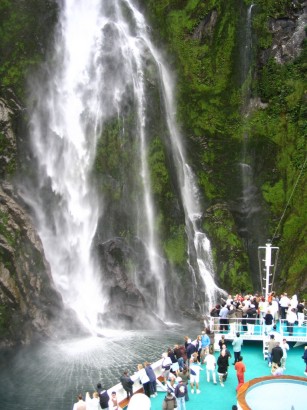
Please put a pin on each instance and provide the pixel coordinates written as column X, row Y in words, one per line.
column 198, row 244
column 246, row 60
column 98, row 73
column 251, row 217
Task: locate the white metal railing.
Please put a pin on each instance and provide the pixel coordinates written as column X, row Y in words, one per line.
column 118, row 388
column 257, row 327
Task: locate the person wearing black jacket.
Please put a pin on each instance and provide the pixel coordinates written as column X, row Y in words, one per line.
column 127, row 383
column 251, row 319
column 277, row 354
column 103, row 397
column 222, row 367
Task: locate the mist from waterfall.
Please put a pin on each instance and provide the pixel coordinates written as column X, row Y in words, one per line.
column 99, row 64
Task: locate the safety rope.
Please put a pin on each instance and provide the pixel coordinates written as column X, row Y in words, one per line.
column 295, row 185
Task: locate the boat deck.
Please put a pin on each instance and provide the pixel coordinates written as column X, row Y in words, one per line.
column 216, row 397
column 299, row 333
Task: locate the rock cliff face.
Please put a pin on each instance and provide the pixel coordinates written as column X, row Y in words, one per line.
column 127, row 306
column 288, row 34
column 30, row 306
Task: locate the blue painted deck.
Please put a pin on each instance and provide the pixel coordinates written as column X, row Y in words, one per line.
column 215, row 397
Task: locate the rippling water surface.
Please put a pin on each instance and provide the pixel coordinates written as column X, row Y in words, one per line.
column 48, row 376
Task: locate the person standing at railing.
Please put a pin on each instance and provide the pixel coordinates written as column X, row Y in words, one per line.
column 144, row 379
column 127, row 384
column 275, row 308
column 244, row 307
column 284, row 303
column 214, row 313
column 268, row 322
column 294, row 302
column 262, row 308
column 224, row 318
column 251, row 319
column 300, row 313
column 291, row 319
column 152, row 379
column 181, row 355
column 103, row 397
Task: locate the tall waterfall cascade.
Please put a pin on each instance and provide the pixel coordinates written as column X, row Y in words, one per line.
column 98, row 73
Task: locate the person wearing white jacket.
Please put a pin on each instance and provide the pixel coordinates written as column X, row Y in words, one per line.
column 291, row 319
column 94, row 403
column 210, row 361
column 285, row 348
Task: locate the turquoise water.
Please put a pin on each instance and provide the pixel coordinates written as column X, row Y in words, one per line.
column 48, row 376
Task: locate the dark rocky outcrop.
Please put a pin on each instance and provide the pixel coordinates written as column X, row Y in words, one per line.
column 127, row 306
column 30, row 306
column 288, row 34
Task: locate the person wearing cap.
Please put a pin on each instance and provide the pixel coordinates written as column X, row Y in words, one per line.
column 180, row 393
column 169, row 402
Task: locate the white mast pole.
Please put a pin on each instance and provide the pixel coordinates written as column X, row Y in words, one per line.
column 268, row 256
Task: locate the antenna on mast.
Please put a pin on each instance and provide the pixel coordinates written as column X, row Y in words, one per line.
column 265, row 255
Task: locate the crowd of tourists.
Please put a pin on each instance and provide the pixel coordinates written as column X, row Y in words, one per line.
column 181, row 364
column 250, row 309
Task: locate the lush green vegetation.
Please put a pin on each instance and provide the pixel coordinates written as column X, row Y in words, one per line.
column 204, row 40
column 25, row 27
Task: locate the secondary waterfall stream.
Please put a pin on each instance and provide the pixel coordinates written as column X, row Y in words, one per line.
column 102, row 62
